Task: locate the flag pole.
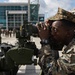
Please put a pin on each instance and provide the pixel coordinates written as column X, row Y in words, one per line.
column 28, row 10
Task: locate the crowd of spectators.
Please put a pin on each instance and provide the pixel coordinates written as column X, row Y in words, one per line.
column 8, row 33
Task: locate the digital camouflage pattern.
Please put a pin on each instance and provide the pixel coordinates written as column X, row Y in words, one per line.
column 67, row 60
column 63, row 14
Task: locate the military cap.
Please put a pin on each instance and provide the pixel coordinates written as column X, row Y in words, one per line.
column 63, row 14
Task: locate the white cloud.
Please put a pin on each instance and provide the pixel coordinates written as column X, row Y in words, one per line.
column 49, row 7
column 52, row 6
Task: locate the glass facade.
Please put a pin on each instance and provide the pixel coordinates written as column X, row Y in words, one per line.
column 15, row 20
column 12, row 20
column 12, row 15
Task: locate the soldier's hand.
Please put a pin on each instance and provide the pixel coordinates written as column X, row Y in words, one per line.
column 43, row 31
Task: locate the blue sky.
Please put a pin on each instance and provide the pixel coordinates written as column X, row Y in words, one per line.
column 50, row 7
column 73, row 3
column 1, row 0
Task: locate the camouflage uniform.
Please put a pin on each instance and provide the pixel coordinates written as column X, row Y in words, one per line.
column 65, row 65
column 45, row 57
column 63, row 14
column 66, row 62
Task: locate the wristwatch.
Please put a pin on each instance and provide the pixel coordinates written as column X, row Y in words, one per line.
column 44, row 41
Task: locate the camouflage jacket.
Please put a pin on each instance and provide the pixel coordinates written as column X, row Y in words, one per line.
column 67, row 61
column 45, row 57
column 46, row 60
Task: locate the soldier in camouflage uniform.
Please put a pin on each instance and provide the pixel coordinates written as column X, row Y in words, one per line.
column 65, row 21
column 49, row 50
column 63, row 31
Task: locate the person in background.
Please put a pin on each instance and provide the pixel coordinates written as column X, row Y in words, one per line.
column 10, row 32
